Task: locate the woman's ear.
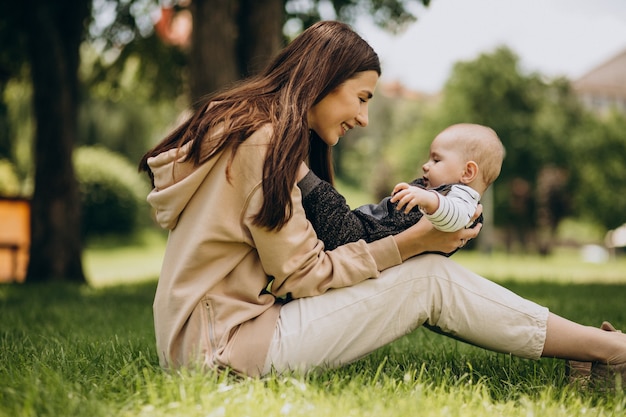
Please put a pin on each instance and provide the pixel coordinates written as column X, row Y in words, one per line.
column 470, row 173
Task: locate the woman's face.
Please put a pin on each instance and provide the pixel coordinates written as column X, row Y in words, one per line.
column 343, row 108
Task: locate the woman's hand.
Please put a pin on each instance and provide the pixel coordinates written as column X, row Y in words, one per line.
column 423, row 237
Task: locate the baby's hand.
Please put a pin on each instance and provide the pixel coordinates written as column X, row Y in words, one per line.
column 399, row 187
column 407, row 196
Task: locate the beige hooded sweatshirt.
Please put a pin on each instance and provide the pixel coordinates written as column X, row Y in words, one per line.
column 214, row 306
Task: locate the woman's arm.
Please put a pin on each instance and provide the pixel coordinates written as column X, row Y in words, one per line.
column 299, row 266
column 423, row 237
column 297, row 263
column 335, row 224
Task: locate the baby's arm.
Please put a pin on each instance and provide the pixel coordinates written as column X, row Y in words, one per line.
column 456, row 209
column 409, row 196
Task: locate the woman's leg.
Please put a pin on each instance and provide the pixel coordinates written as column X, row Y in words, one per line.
column 568, row 340
column 345, row 324
column 597, row 356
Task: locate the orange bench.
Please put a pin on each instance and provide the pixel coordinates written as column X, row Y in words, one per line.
column 14, row 238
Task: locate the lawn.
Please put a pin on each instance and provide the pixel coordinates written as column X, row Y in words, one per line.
column 89, row 351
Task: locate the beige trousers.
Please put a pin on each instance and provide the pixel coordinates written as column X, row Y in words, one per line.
column 346, row 324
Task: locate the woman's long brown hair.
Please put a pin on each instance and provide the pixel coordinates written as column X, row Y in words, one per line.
column 315, row 63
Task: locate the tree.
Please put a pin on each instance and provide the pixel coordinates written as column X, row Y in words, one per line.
column 536, row 120
column 54, row 32
column 12, row 58
column 231, row 39
column 558, row 118
column 44, row 37
column 225, row 40
column 599, row 176
column 490, row 90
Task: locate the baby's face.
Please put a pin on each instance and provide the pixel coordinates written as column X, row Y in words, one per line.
column 445, row 163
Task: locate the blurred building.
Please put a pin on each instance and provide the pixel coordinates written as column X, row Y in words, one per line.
column 604, row 87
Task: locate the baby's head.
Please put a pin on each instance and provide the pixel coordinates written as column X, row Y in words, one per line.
column 468, row 153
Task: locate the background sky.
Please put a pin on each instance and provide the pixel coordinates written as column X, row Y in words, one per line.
column 553, row 37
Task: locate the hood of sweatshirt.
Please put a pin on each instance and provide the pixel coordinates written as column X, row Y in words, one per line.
column 175, row 182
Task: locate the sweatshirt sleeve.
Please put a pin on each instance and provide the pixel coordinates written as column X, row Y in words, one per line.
column 298, row 264
column 336, row 224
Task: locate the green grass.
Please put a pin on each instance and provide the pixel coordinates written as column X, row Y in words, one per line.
column 565, row 266
column 89, row 351
column 109, row 263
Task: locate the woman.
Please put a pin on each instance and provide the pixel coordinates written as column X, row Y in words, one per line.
column 245, row 283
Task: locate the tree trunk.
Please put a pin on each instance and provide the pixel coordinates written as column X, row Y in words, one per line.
column 232, row 39
column 55, row 32
column 261, row 28
column 6, row 148
column 213, row 63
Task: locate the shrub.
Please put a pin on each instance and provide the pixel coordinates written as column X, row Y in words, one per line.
column 112, row 192
column 9, row 182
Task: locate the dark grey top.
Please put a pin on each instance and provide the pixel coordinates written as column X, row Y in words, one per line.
column 336, row 224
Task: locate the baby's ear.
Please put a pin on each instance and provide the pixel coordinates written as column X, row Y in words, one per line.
column 470, row 173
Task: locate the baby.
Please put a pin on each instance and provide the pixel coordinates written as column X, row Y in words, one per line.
column 467, row 156
column 465, row 159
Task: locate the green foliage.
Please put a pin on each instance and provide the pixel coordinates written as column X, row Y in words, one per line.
column 558, row 116
column 124, row 55
column 601, row 172
column 9, row 182
column 391, row 149
column 130, row 104
column 17, row 96
column 491, row 91
column 392, row 15
column 562, row 161
column 413, row 143
column 128, row 127
column 112, row 192
column 547, row 172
